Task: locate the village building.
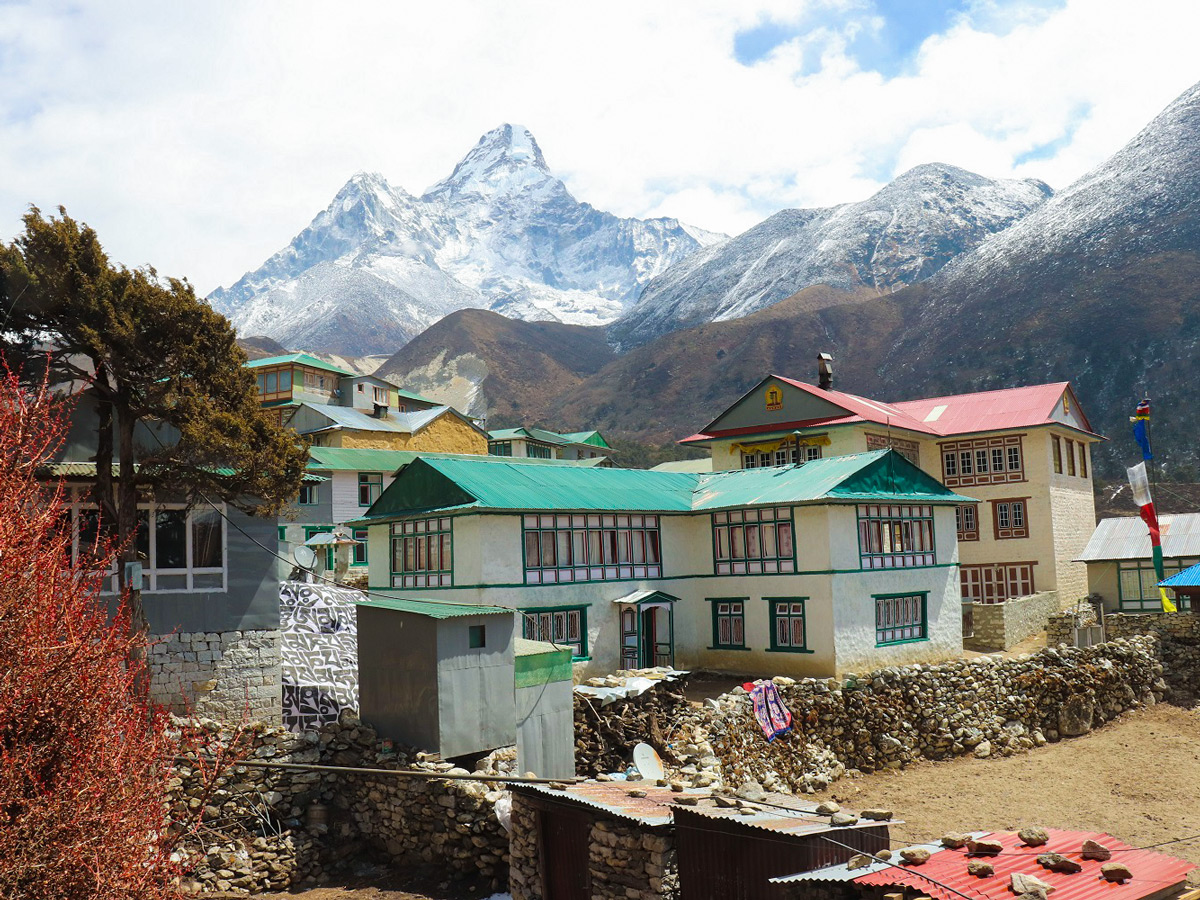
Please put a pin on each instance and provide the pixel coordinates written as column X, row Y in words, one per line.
column 539, row 443
column 1024, row 453
column 1120, row 567
column 849, row 561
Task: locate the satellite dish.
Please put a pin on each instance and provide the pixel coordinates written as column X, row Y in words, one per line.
column 648, row 763
column 305, row 557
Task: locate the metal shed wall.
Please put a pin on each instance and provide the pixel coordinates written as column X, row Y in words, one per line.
column 398, row 675
column 722, row 859
column 546, row 729
column 476, row 702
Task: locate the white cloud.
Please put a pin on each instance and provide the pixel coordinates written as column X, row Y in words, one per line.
column 201, row 138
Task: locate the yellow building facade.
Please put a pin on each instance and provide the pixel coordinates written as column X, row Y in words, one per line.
column 1024, row 454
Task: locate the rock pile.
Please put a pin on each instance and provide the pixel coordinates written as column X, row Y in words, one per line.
column 270, row 829
column 605, row 733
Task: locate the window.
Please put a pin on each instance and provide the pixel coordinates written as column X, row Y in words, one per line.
column 500, row 448
column 476, row 637
column 895, row 537
column 360, row 549
column 538, row 451
column 789, row 454
column 564, row 626
column 910, row 450
column 1070, row 457
column 1137, row 584
column 996, row 583
column 361, row 388
column 422, row 553
column 1083, row 452
column 753, row 541
column 1056, row 443
column 993, row 460
column 788, row 629
column 899, row 618
column 1009, row 518
column 966, row 522
column 308, row 495
column 184, row 550
column 370, row 486
column 729, row 623
column 576, row 547
column 379, row 395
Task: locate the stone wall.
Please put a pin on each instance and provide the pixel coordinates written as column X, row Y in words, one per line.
column 255, row 836
column 626, row 861
column 891, row 717
column 1178, row 633
column 999, row 626
column 233, row 676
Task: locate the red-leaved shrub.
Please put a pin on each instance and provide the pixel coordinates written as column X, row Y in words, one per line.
column 84, row 756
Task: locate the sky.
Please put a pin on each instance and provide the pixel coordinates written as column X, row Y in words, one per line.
column 200, row 138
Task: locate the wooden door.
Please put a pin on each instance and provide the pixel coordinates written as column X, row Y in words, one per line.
column 565, row 836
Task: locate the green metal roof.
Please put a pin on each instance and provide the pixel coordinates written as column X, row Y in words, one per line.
column 348, row 459
column 300, row 359
column 549, row 437
column 595, row 438
column 434, row 609
column 87, row 469
column 409, row 395
column 500, row 484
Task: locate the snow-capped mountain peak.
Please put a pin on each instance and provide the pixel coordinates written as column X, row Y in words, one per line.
column 379, row 265
column 507, row 160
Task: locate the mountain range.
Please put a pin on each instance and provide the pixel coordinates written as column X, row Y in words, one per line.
column 378, row 265
column 1098, row 284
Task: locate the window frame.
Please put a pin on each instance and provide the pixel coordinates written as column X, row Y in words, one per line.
column 415, row 529
column 536, row 612
column 370, row 481
column 360, row 553
column 1056, row 449
column 500, row 448
column 1004, row 518
column 989, row 583
column 314, row 498
column 961, row 459
column 960, row 515
column 617, row 538
column 891, row 599
column 735, row 523
column 732, row 615
column 1147, row 577
column 896, row 519
column 773, row 605
column 1070, row 454
column 151, row 573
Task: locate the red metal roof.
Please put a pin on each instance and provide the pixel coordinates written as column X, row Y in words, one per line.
column 1152, row 871
column 1022, row 407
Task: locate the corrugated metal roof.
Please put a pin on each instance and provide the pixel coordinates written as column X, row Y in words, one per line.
column 1189, row 577
column 88, row 470
column 301, row 359
column 1152, row 872
column 695, row 466
column 642, row 596
column 1022, row 407
column 842, row 873
column 434, row 609
column 1127, row 537
column 350, row 459
column 398, row 422
column 879, row 475
column 410, row 395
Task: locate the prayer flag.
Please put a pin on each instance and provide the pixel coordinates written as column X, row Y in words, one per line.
column 1139, row 483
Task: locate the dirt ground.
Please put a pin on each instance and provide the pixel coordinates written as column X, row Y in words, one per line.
column 1137, row 779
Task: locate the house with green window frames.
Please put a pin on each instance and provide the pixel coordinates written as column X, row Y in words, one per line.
column 813, row 569
column 1120, row 567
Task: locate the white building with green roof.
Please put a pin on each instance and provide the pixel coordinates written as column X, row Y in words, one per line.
column 539, row 443
column 813, row 569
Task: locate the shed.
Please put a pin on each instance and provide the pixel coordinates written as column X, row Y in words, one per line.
column 545, row 709
column 1119, row 563
column 437, row 676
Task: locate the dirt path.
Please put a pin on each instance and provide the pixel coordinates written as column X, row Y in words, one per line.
column 1137, row 778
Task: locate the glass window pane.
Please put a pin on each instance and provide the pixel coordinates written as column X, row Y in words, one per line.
column 653, row 556
column 170, row 535
column 532, row 554
column 548, row 555
column 206, row 539
column 564, row 548
column 784, row 536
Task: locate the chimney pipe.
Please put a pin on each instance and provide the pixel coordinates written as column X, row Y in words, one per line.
column 380, row 411
column 825, row 371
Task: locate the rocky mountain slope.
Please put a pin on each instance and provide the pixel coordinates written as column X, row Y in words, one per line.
column 379, row 265
column 903, row 234
column 1099, row 285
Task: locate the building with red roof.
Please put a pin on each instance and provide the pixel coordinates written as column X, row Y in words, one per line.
column 1022, row 453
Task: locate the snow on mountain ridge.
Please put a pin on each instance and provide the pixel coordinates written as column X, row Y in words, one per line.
column 500, row 232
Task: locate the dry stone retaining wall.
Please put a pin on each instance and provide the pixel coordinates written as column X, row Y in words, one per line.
column 893, row 716
column 254, row 832
column 998, row 626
